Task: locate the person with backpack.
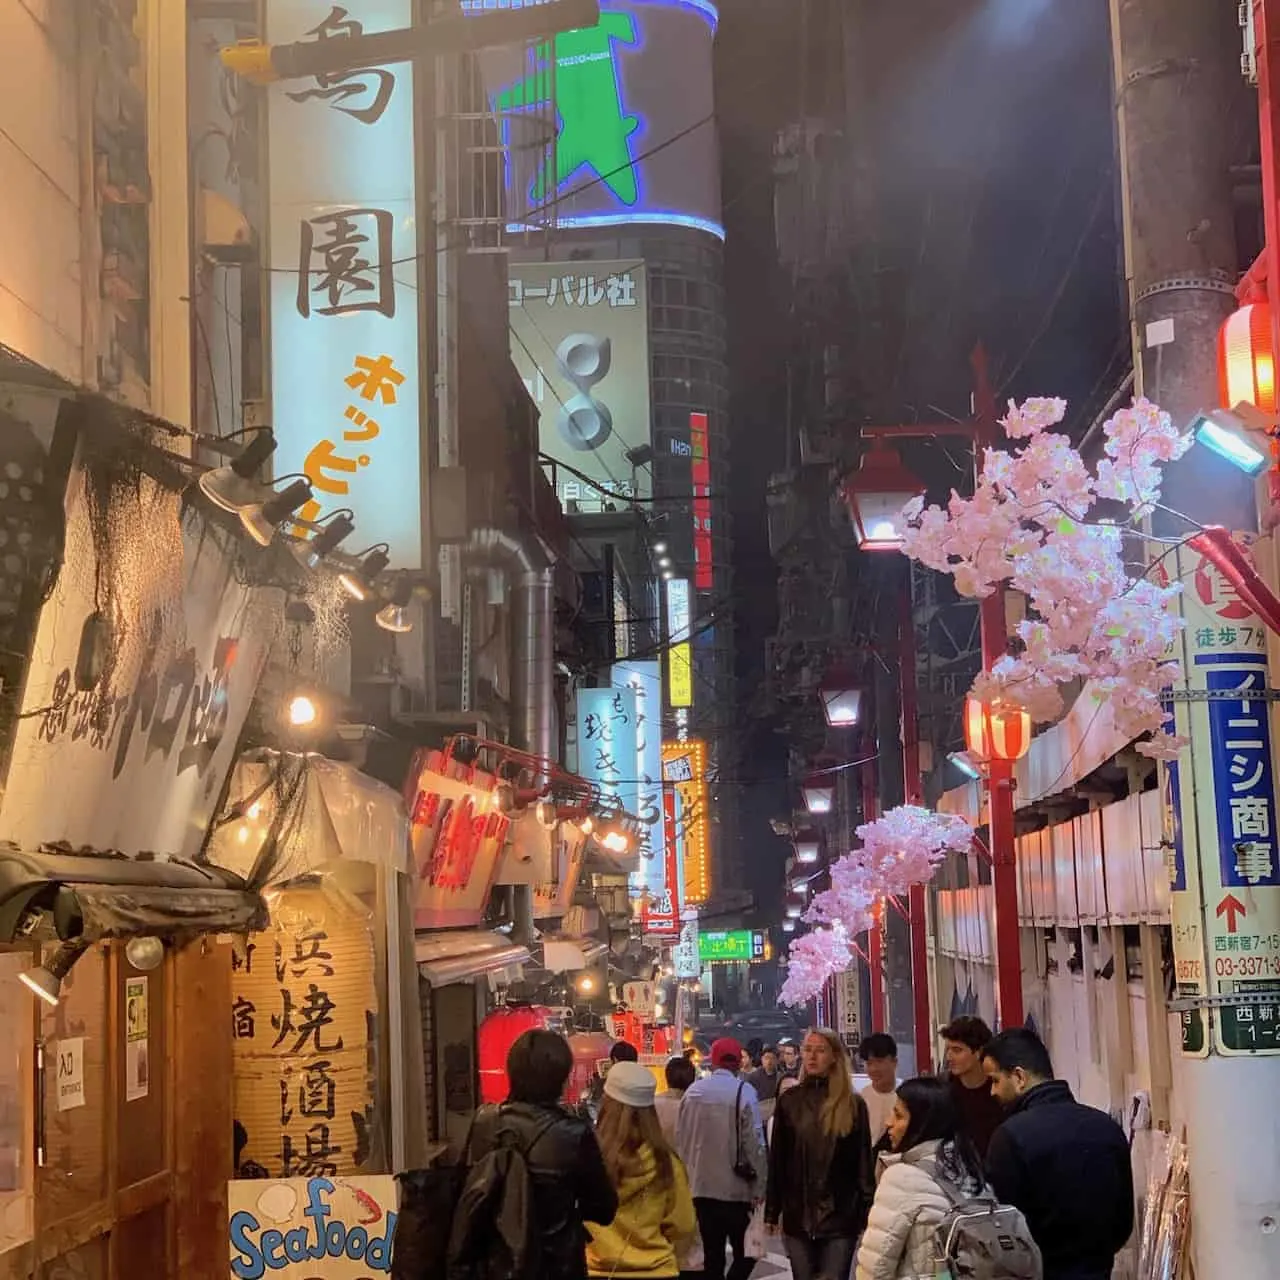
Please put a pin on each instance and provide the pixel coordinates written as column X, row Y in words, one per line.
column 931, row 1179
column 1065, row 1165
column 533, row 1176
column 821, row 1172
column 655, row 1210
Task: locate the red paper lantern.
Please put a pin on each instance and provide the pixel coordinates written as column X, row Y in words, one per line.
column 996, row 733
column 494, row 1038
column 1246, row 358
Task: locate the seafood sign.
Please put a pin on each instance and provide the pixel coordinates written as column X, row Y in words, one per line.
column 311, row 1227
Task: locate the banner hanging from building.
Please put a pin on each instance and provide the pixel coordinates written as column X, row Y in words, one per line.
column 679, row 655
column 684, row 767
column 700, row 475
column 344, row 277
column 607, row 740
column 1222, row 822
column 643, row 793
column 580, row 342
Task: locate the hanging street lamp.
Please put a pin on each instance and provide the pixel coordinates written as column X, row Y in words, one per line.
column 876, row 494
column 819, row 793
column 1246, row 362
column 841, row 700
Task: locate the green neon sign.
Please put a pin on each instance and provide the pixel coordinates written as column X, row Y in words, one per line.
column 729, row 945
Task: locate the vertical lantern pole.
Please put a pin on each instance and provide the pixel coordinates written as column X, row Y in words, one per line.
column 875, row 935
column 914, row 794
column 1004, row 868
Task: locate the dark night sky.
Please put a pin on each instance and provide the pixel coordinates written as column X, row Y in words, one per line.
column 997, row 208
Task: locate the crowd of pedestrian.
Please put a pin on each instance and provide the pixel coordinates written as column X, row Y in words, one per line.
column 895, row 1181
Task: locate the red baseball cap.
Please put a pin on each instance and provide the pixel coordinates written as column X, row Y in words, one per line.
column 726, row 1052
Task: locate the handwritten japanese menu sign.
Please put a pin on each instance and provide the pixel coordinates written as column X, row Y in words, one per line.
column 304, row 1026
column 343, row 257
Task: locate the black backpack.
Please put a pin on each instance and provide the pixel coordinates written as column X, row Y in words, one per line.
column 495, row 1235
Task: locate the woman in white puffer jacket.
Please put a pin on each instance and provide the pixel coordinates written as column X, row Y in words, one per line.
column 928, row 1149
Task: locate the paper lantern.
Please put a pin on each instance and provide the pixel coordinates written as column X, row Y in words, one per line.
column 1246, row 359
column 996, row 733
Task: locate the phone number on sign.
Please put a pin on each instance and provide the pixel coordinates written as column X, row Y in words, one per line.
column 1247, row 966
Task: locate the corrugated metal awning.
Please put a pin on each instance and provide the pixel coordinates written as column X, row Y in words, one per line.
column 450, row 957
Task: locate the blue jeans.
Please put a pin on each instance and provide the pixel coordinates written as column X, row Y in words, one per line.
column 828, row 1259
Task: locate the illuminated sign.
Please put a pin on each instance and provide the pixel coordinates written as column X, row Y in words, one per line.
column 607, row 738
column 642, row 793
column 660, row 914
column 684, row 766
column 633, row 101
column 580, row 341
column 700, row 474
column 679, row 656
column 344, row 286
column 734, row 944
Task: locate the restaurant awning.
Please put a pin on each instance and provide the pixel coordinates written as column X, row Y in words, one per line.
column 454, row 956
column 568, row 955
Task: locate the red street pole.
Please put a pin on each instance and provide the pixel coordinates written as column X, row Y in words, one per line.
column 1004, row 868
column 875, row 936
column 914, row 794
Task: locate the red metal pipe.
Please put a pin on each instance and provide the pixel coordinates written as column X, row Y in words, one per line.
column 875, row 935
column 914, row 794
column 1004, row 865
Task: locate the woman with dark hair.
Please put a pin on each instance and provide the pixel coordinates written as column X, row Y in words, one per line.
column 655, row 1210
column 928, row 1148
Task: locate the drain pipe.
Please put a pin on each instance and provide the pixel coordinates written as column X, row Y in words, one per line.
column 531, row 573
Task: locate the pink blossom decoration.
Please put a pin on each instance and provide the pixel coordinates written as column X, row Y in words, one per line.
column 902, row 848
column 812, row 960
column 1032, row 526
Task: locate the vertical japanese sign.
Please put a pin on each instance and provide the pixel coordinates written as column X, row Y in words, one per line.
column 679, row 655
column 660, row 914
column 688, row 964
column 304, row 1027
column 580, row 341
column 700, row 474
column 684, row 767
column 137, row 1058
column 343, row 250
column 1225, row 881
column 607, row 740
column 644, row 792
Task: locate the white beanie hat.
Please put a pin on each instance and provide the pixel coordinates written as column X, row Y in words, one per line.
column 631, row 1084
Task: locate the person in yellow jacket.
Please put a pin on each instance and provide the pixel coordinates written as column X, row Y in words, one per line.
column 655, row 1209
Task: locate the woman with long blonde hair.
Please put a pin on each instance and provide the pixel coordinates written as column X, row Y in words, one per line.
column 655, row 1209
column 821, row 1170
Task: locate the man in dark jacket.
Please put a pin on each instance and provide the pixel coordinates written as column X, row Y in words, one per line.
column 570, row 1184
column 1066, row 1166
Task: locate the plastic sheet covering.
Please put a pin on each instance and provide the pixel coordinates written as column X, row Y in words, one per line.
column 1166, row 1214
column 127, row 911
column 289, row 817
column 462, row 955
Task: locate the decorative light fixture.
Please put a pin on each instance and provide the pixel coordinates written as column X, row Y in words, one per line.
column 667, row 575
column 660, row 548
column 841, row 702
column 144, row 954
column 875, row 495
column 261, row 519
column 819, row 792
column 808, row 847
column 358, row 580
column 996, row 732
column 394, row 616
column 586, row 984
column 794, row 911
column 310, row 552
column 664, row 562
column 966, row 764
column 232, row 486
column 45, row 980
column 789, row 926
column 1239, row 435
column 1246, row 360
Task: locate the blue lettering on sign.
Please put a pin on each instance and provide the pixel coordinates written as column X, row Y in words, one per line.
column 272, row 1250
column 1243, row 783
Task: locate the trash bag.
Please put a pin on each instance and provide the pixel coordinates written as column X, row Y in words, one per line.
column 427, row 1201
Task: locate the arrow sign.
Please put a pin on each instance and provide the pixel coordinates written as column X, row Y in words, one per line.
column 1231, row 907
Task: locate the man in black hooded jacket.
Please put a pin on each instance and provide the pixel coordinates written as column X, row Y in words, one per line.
column 570, row 1184
column 1066, row 1166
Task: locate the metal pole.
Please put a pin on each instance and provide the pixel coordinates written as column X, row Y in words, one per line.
column 913, row 792
column 1004, row 865
column 875, row 935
